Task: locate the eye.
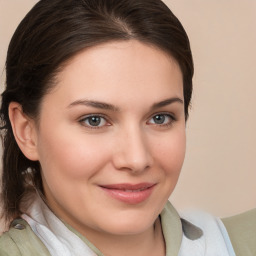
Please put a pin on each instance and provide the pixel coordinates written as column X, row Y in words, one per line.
column 161, row 119
column 94, row 121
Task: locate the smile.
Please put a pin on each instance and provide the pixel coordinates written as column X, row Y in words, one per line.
column 128, row 193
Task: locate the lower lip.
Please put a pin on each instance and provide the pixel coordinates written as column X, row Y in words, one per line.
column 129, row 197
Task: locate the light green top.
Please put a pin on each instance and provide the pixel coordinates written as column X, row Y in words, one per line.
column 20, row 240
column 242, row 232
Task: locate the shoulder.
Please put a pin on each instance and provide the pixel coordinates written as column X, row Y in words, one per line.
column 20, row 240
column 8, row 246
column 242, row 232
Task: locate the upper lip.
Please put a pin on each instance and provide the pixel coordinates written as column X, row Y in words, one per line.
column 127, row 186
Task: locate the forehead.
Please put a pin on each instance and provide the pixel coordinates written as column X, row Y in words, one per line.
column 126, row 68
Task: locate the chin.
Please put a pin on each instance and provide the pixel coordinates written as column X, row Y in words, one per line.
column 130, row 223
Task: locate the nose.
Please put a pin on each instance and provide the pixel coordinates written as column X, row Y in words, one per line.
column 132, row 151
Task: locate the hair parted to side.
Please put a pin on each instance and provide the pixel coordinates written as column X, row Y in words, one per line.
column 53, row 32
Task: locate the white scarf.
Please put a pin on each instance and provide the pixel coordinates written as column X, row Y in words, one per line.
column 60, row 241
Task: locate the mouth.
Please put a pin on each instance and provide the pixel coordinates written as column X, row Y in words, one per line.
column 129, row 193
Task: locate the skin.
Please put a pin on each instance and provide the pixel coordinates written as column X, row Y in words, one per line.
column 126, row 146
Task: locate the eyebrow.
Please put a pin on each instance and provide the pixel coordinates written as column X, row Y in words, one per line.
column 167, row 102
column 95, row 104
column 107, row 106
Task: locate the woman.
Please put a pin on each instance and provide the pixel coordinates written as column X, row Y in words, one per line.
column 94, row 112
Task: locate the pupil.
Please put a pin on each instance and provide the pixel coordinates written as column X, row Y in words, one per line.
column 159, row 119
column 94, row 121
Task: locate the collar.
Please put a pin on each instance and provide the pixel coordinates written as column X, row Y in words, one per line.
column 173, row 229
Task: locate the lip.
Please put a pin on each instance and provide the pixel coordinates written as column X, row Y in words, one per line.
column 129, row 193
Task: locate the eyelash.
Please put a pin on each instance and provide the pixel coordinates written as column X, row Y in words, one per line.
column 107, row 123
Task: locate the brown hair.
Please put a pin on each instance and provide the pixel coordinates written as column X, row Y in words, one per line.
column 50, row 34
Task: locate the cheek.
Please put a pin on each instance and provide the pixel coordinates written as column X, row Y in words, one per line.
column 66, row 157
column 69, row 168
column 171, row 153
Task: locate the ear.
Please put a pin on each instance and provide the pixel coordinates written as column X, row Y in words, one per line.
column 24, row 131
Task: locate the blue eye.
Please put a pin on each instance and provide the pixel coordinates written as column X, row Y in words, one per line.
column 94, row 121
column 161, row 119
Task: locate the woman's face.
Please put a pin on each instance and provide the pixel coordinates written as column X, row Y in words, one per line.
column 111, row 138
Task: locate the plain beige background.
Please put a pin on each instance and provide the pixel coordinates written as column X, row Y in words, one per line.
column 219, row 173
